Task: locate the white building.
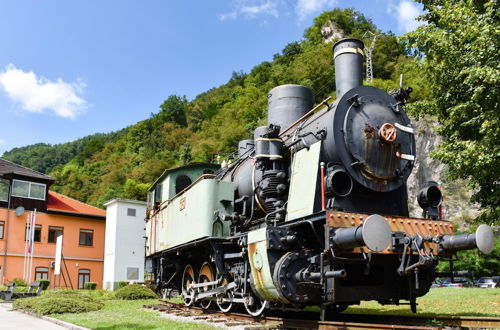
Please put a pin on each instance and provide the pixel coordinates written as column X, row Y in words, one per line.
column 124, row 245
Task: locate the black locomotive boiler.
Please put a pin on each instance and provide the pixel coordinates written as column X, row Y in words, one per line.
column 314, row 211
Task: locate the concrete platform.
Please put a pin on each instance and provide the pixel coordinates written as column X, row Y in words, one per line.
column 10, row 319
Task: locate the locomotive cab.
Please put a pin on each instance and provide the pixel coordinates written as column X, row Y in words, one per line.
column 178, row 208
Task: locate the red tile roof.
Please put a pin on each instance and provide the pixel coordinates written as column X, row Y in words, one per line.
column 61, row 203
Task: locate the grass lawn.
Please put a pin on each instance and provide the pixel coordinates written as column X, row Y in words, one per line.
column 125, row 314
column 442, row 302
column 129, row 314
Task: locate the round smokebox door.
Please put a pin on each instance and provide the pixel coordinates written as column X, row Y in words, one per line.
column 375, row 144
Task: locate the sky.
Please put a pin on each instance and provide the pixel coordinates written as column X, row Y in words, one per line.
column 74, row 68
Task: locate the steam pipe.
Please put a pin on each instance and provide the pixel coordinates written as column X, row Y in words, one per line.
column 322, row 165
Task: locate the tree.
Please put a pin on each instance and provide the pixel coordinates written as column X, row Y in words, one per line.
column 460, row 50
column 172, row 109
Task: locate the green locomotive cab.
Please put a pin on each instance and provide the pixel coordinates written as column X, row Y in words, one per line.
column 182, row 207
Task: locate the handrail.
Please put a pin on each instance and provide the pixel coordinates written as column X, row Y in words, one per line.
column 201, row 177
column 312, row 111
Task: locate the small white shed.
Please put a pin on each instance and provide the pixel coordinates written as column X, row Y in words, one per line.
column 124, row 242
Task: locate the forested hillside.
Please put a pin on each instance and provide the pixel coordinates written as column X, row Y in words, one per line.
column 207, row 128
column 103, row 166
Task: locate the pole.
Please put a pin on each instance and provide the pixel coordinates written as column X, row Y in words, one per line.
column 32, row 249
column 4, row 270
column 26, row 240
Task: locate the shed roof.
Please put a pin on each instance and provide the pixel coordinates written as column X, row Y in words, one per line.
column 9, row 168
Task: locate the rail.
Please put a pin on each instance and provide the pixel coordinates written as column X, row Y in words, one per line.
column 309, row 320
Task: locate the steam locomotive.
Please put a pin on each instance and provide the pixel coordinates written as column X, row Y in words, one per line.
column 314, row 211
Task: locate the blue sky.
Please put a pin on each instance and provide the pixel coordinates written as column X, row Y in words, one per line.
column 73, row 68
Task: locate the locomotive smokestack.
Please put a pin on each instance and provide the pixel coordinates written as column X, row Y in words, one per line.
column 348, row 56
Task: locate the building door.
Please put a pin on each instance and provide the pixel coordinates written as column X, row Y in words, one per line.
column 83, row 277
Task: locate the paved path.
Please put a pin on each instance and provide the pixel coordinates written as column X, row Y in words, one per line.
column 10, row 319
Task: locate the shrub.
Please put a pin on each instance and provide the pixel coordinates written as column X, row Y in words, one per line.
column 97, row 294
column 21, row 289
column 44, row 284
column 19, row 282
column 122, row 284
column 58, row 302
column 135, row 291
column 90, row 285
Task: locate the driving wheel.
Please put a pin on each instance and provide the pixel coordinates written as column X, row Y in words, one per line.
column 206, row 275
column 188, row 279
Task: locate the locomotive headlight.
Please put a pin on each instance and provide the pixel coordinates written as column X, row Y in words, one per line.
column 430, row 195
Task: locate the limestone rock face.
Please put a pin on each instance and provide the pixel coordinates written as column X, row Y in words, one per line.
column 456, row 206
column 331, row 32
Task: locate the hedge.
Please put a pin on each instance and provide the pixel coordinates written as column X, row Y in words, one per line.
column 90, row 286
column 135, row 291
column 58, row 302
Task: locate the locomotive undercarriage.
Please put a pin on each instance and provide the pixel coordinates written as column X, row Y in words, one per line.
column 307, row 269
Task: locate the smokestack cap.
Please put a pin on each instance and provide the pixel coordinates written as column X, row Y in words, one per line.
column 348, row 45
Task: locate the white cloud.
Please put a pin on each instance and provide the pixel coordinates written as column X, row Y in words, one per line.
column 406, row 13
column 304, row 8
column 251, row 9
column 2, row 142
column 37, row 94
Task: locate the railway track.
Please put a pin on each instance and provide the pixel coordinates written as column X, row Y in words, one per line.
column 309, row 320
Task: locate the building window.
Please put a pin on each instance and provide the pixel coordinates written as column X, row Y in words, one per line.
column 27, row 189
column 131, row 212
column 38, row 233
column 4, row 190
column 83, row 277
column 41, row 273
column 2, row 226
column 54, row 233
column 86, row 237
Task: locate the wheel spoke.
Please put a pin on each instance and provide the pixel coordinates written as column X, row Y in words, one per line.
column 225, row 300
column 187, row 280
column 205, row 275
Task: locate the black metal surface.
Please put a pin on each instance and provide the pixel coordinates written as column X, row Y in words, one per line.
column 348, row 65
column 372, row 163
column 287, row 103
column 245, row 146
